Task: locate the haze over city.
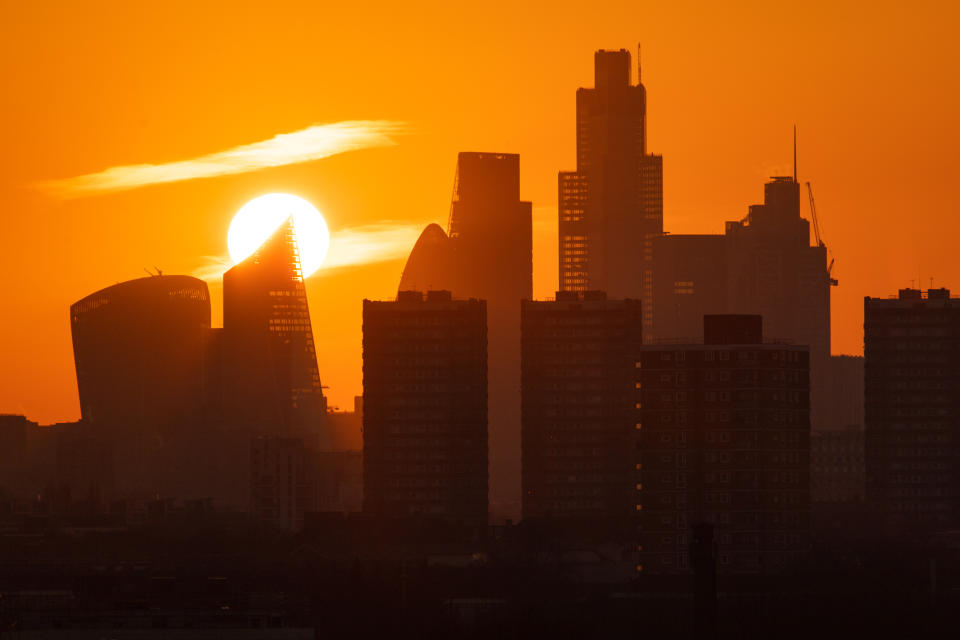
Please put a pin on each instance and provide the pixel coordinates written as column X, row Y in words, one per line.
column 95, row 85
column 479, row 320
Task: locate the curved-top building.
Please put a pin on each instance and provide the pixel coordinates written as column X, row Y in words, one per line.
column 430, row 266
column 138, row 351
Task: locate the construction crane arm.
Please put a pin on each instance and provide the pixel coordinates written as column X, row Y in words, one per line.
column 813, row 216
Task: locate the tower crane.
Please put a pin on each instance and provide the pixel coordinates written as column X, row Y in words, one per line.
column 816, row 233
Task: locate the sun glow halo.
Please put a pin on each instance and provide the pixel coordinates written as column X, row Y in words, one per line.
column 259, row 218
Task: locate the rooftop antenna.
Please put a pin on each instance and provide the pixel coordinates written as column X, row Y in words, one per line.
column 638, row 63
column 794, row 153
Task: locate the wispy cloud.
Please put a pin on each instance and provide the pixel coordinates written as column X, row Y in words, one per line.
column 352, row 246
column 312, row 143
column 371, row 243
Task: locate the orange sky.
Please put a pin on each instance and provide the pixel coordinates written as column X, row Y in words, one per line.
column 872, row 87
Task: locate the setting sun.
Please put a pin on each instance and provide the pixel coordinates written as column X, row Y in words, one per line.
column 479, row 319
column 260, row 217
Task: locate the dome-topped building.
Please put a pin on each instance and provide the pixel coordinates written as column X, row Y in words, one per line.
column 430, row 266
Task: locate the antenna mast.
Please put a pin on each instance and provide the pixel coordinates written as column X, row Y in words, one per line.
column 794, row 153
column 638, row 63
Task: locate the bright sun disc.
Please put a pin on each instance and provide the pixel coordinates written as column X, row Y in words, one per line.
column 259, row 218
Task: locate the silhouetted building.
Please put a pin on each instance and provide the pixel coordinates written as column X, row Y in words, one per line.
column 611, row 207
column 139, row 353
column 912, row 409
column 723, row 438
column 837, row 472
column 425, row 407
column 762, row 265
column 13, row 439
column 578, row 361
column 280, row 482
column 85, row 466
column 432, row 264
column 690, row 282
column 272, row 379
column 138, row 350
column 215, row 378
column 487, row 255
column 339, row 467
column 339, row 480
column 842, row 400
column 345, row 428
column 40, row 464
column 13, row 452
column 773, row 271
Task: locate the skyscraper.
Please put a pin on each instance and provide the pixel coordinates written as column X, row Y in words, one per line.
column 611, row 207
column 271, row 374
column 579, row 354
column 773, row 271
column 487, row 254
column 763, row 264
column 723, row 437
column 690, row 282
column 425, row 407
column 139, row 353
column 912, row 410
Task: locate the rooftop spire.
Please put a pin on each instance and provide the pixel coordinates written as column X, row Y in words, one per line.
column 639, row 78
column 794, row 153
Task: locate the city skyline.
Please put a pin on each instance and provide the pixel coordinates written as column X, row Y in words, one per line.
column 264, row 374
column 487, row 254
column 134, row 111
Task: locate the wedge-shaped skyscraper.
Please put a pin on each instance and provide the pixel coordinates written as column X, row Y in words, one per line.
column 270, row 362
